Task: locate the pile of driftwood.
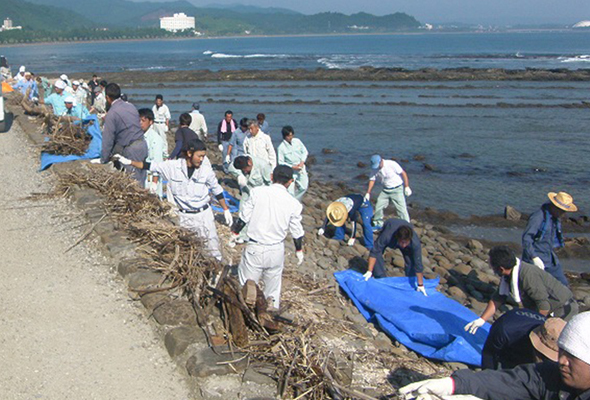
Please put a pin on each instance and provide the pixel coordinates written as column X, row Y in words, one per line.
column 66, row 137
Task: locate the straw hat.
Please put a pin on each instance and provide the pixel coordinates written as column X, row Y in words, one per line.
column 337, row 213
column 563, row 200
column 544, row 337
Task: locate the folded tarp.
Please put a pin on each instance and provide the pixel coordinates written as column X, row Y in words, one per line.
column 94, row 148
column 432, row 326
column 231, row 201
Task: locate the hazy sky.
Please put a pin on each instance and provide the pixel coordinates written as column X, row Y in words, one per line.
column 470, row 11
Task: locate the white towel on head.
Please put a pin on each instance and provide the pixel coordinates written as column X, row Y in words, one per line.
column 574, row 337
column 512, row 288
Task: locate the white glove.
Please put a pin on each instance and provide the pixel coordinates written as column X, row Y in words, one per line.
column 153, row 187
column 121, row 159
column 539, row 263
column 438, row 387
column 351, row 242
column 368, row 197
column 228, row 218
column 220, row 147
column 227, row 159
column 473, row 326
column 95, row 161
column 422, row 290
column 300, row 257
column 242, row 181
column 232, row 240
column 320, row 232
column 407, row 191
column 368, row 275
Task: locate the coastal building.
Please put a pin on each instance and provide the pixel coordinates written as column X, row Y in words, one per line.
column 8, row 25
column 178, row 22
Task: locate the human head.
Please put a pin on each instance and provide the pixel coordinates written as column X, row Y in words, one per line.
column 196, row 106
column 63, row 77
column 94, row 77
column 544, row 339
column 228, row 116
column 243, row 163
column 253, row 126
column 59, row 86
column 244, row 124
column 288, row 133
column 75, row 85
column 403, row 235
column 28, row 75
column 146, row 118
column 22, row 69
column 112, row 92
column 283, row 175
column 260, row 117
column 561, row 203
column 185, row 119
column 103, row 83
column 376, row 161
column 574, row 352
column 69, row 102
column 159, row 100
column 194, row 152
column 502, row 260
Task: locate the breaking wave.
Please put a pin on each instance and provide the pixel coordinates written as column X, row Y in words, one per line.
column 223, row 55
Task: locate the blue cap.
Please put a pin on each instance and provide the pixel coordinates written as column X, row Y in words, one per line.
column 375, row 161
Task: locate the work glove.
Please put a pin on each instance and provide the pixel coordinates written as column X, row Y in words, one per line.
column 220, row 147
column 121, row 159
column 228, row 218
column 368, row 275
column 368, row 197
column 351, row 242
column 539, row 263
column 242, row 181
column 95, row 161
column 300, row 257
column 232, row 240
column 438, row 387
column 153, row 187
column 227, row 159
column 473, row 326
column 320, row 232
column 422, row 290
column 407, row 191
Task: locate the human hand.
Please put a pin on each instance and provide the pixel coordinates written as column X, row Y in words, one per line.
column 407, row 191
column 368, row 197
column 473, row 326
column 121, row 159
column 220, row 147
column 227, row 159
column 351, row 241
column 438, row 387
column 300, row 257
column 242, row 181
column 153, row 187
column 232, row 240
column 539, row 263
column 422, row 290
column 368, row 275
column 95, row 161
column 228, row 218
column 320, row 232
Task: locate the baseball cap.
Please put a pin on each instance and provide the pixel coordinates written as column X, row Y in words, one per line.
column 375, row 161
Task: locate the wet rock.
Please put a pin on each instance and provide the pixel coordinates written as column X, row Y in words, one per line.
column 311, row 160
column 512, row 214
column 474, row 245
column 465, row 155
column 328, row 151
column 361, row 164
column 177, row 312
column 361, row 177
column 178, row 339
column 429, row 167
column 419, row 157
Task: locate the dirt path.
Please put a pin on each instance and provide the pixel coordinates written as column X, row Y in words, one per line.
column 67, row 327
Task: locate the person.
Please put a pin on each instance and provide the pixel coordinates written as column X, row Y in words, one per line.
column 198, row 123
column 521, row 336
column 351, row 207
column 5, row 74
column 271, row 213
column 258, row 144
column 74, row 110
column 236, row 143
column 56, row 99
column 190, row 179
column 543, row 233
column 263, row 123
column 28, row 84
column 122, row 133
column 225, row 130
column 65, row 78
column 161, row 116
column 20, row 75
column 79, row 93
column 156, row 149
column 397, row 234
column 183, row 134
column 100, row 102
column 292, row 152
column 568, row 379
column 93, row 84
column 525, row 284
column 395, row 186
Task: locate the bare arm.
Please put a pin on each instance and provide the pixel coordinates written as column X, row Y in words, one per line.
column 405, row 178
column 371, row 184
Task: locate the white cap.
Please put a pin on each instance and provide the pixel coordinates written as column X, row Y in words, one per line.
column 60, row 85
column 63, row 77
column 574, row 337
column 76, row 83
column 70, row 99
column 22, row 68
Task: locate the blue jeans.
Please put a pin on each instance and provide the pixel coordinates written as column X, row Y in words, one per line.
column 366, row 212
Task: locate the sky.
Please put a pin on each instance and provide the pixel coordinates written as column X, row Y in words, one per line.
column 495, row 12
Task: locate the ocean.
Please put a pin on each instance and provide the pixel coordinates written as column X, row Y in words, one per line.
column 487, row 144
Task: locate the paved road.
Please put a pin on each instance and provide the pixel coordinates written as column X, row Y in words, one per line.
column 67, row 327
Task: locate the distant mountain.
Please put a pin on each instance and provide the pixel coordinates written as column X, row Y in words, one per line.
column 41, row 17
column 244, row 9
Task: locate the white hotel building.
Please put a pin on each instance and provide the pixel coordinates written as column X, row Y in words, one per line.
column 178, row 22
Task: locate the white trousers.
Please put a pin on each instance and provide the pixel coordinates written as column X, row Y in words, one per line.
column 203, row 225
column 266, row 262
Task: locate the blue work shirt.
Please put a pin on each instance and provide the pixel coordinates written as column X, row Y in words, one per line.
column 24, row 85
column 508, row 343
column 237, row 142
column 412, row 252
column 78, row 111
column 57, row 101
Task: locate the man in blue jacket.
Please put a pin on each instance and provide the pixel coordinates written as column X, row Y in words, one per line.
column 543, row 234
column 352, row 207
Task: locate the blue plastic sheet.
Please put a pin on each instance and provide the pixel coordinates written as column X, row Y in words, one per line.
column 232, row 203
column 432, row 326
column 94, row 148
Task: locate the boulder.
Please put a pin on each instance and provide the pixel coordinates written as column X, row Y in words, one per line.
column 205, row 362
column 474, row 245
column 178, row 339
column 177, row 312
column 512, row 214
column 457, row 294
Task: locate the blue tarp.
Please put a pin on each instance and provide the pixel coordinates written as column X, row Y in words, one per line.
column 231, row 201
column 94, row 148
column 432, row 326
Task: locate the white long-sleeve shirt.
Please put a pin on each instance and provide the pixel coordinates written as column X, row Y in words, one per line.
column 260, row 146
column 198, row 124
column 271, row 213
column 161, row 114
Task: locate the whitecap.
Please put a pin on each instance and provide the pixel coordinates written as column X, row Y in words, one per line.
column 222, row 55
column 328, row 63
column 580, row 58
column 207, row 52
